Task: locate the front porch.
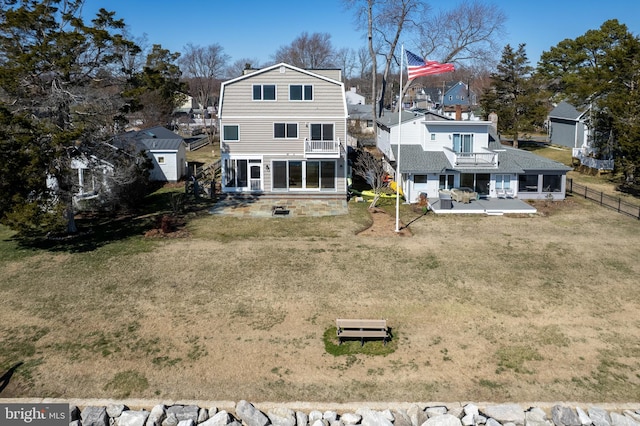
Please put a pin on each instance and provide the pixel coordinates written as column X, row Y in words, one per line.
column 487, row 206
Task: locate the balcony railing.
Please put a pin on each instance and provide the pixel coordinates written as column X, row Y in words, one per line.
column 321, row 148
column 473, row 159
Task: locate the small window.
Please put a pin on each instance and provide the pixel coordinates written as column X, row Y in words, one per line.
column 299, row 92
column 433, row 136
column 264, row 92
column 419, row 178
column 230, row 133
column 285, row 130
column 160, row 160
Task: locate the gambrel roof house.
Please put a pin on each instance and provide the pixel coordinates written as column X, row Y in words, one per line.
column 439, row 153
column 283, row 132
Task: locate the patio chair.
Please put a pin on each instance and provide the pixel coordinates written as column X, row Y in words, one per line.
column 509, row 193
column 501, row 193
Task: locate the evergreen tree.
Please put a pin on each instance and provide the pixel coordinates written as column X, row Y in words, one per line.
column 514, row 95
column 600, row 70
column 59, row 98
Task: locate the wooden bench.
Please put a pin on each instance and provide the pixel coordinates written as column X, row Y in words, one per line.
column 362, row 329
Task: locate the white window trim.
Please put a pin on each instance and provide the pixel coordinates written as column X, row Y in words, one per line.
column 303, row 99
column 285, row 130
column 230, row 140
column 262, row 92
column 322, row 124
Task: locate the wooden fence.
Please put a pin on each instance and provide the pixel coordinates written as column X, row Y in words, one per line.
column 603, row 199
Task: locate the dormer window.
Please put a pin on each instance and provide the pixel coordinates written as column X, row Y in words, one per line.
column 462, row 142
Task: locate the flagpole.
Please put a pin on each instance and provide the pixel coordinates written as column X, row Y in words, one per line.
column 398, row 176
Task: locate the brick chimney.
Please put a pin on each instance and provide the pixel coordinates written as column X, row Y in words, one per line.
column 459, row 112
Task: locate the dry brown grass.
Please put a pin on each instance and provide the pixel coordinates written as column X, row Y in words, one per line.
column 483, row 308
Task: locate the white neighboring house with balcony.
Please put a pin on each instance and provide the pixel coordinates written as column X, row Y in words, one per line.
column 283, row 131
column 439, row 153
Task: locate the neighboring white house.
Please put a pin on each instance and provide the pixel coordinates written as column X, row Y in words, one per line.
column 283, row 131
column 437, row 153
column 353, row 98
column 166, row 149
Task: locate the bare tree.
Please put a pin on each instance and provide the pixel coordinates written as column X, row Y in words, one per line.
column 236, row 69
column 308, row 51
column 468, row 34
column 204, row 66
column 345, row 59
column 371, row 169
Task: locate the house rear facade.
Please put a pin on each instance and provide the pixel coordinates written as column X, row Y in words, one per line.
column 283, row 131
column 437, row 153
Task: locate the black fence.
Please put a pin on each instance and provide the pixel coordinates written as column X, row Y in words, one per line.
column 603, row 199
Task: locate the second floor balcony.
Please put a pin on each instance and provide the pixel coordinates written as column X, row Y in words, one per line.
column 321, row 148
column 484, row 159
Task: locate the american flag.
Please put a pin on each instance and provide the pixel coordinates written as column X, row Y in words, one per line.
column 418, row 67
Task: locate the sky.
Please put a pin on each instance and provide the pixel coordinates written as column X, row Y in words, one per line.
column 257, row 28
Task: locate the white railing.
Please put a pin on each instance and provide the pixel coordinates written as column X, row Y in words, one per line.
column 322, row 147
column 472, row 159
column 585, row 160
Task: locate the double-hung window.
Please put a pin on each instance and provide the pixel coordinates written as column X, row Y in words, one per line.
column 264, row 92
column 300, row 92
column 285, row 130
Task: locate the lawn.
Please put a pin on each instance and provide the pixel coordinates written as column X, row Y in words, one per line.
column 497, row 308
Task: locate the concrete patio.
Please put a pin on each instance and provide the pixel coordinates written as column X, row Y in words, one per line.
column 262, row 206
column 488, row 206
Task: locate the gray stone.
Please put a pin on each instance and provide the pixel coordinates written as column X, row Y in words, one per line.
column 620, row 420
column 315, row 415
column 221, row 418
column 235, row 423
column 435, row 411
column 492, row 422
column 536, row 417
column 76, row 422
column 212, row 411
column 203, row 415
column 401, row 418
column 480, row 419
column 336, row 423
column 188, row 422
column 114, row 410
column 632, row 415
column 170, row 420
column 388, row 415
column 564, row 416
column 250, row 415
column 282, row 416
column 133, row 418
column 350, row 418
column 301, row 418
column 471, row 409
column 585, row 420
column 94, row 416
column 468, row 420
column 417, row 415
column 319, row 422
column 74, row 413
column 330, row 416
column 156, row 416
column 184, row 412
column 599, row 416
column 505, row 413
column 443, row 420
column 373, row 418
